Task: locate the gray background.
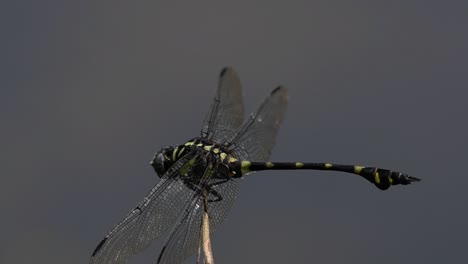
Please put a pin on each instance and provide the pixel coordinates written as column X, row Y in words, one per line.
column 90, row 90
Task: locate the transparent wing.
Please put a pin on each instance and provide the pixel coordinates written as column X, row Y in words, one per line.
column 185, row 237
column 227, row 110
column 155, row 214
column 256, row 138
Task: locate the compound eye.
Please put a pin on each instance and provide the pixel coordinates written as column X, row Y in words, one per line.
column 162, row 160
column 158, row 164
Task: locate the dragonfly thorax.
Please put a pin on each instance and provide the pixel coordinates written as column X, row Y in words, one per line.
column 213, row 153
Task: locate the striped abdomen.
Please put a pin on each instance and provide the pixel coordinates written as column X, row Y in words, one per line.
column 382, row 178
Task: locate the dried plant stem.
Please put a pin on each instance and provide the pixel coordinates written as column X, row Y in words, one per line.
column 205, row 241
column 206, row 238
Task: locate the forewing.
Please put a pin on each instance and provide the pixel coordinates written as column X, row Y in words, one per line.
column 227, row 110
column 154, row 215
column 256, row 138
column 185, row 237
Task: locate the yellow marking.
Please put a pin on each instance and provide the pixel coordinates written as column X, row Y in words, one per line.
column 223, row 155
column 199, row 144
column 216, row 150
column 208, row 172
column 358, row 169
column 232, row 159
column 390, row 180
column 188, row 144
column 183, row 171
column 207, row 148
column 245, row 167
column 174, row 152
column 299, row 165
column 328, row 165
column 269, row 165
column 377, row 178
column 181, row 151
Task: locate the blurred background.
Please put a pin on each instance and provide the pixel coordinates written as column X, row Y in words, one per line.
column 90, row 90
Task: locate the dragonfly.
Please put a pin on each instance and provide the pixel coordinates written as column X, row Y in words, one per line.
column 201, row 176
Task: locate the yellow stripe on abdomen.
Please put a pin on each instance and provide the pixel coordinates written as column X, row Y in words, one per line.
column 358, row 169
column 245, row 167
column 377, row 178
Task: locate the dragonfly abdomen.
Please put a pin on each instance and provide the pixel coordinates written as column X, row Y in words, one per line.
column 382, row 178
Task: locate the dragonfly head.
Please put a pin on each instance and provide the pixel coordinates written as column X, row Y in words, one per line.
column 162, row 161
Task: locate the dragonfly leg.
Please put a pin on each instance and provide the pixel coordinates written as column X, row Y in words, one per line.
column 207, row 188
column 218, row 197
column 213, row 192
column 219, row 182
